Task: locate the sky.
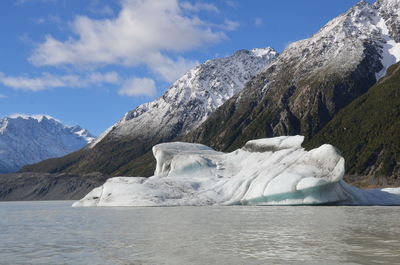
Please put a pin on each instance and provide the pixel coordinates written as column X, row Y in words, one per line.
column 88, row 62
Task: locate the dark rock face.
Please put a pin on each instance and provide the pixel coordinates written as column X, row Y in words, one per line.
column 367, row 132
column 304, row 88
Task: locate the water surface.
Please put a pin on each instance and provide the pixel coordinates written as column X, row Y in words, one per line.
column 55, row 233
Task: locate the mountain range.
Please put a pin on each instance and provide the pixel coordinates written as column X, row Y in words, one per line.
column 28, row 139
column 184, row 106
column 340, row 86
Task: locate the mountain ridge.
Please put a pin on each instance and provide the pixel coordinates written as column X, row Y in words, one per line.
column 299, row 92
column 27, row 139
column 185, row 105
column 305, row 86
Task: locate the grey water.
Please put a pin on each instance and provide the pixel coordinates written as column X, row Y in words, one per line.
column 55, row 233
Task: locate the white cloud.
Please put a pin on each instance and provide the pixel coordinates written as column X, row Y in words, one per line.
column 47, row 81
column 258, row 22
column 142, row 34
column 55, row 19
column 99, row 78
column 100, row 8
column 231, row 3
column 138, row 86
column 128, row 87
column 199, row 7
column 23, row 2
column 229, row 25
column 168, row 69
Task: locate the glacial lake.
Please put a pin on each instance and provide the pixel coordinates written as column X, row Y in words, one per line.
column 54, row 233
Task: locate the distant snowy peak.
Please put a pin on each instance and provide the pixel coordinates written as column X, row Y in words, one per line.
column 27, row 139
column 18, row 120
column 38, row 117
column 193, row 97
column 82, row 133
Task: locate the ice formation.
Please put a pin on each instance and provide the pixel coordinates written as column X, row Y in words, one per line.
column 274, row 171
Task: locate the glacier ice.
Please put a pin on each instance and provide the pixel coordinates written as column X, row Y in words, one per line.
column 274, row 171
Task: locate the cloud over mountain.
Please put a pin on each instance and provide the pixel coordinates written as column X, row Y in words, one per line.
column 143, row 33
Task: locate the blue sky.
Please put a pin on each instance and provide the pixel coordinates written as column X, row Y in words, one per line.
column 88, row 62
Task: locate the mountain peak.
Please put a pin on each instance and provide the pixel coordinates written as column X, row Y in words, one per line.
column 362, row 3
column 269, row 51
column 38, row 117
column 257, row 52
column 193, row 97
column 27, row 139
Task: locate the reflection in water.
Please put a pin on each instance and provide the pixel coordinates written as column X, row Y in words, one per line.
column 55, row 233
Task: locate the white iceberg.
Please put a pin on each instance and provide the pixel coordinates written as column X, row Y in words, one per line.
column 274, row 171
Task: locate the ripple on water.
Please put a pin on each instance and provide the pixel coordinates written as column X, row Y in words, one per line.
column 55, row 233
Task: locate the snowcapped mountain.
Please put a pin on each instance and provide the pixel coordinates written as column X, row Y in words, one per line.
column 311, row 80
column 252, row 94
column 28, row 139
column 184, row 106
column 348, row 39
column 193, row 97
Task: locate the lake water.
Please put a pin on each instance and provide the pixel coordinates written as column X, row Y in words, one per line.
column 55, row 233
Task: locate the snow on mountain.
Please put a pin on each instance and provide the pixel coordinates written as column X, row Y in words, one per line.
column 27, row 139
column 298, row 92
column 389, row 10
column 311, row 80
column 274, row 171
column 343, row 41
column 192, row 98
column 388, row 22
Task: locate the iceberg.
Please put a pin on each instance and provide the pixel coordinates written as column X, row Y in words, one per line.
column 273, row 171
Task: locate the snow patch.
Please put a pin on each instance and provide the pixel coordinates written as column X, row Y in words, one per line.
column 390, row 49
column 264, row 51
column 274, row 144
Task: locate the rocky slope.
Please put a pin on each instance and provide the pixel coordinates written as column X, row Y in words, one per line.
column 44, row 186
column 29, row 139
column 185, row 105
column 368, row 133
column 302, row 90
column 192, row 98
